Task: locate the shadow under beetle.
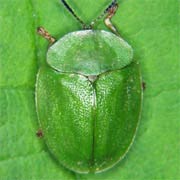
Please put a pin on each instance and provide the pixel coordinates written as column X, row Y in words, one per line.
column 89, row 96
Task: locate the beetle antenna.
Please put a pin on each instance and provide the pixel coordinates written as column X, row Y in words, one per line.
column 73, row 13
column 113, row 4
column 110, row 10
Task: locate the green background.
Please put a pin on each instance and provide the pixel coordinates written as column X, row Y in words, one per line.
column 150, row 26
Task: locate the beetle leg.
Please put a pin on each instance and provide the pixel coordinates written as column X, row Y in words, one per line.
column 111, row 10
column 41, row 31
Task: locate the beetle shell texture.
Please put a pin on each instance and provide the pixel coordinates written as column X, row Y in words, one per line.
column 88, row 100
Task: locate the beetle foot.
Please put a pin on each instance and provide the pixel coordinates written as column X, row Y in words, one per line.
column 143, row 86
column 39, row 133
column 41, row 31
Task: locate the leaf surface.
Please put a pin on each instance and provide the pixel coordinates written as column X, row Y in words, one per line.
column 150, row 27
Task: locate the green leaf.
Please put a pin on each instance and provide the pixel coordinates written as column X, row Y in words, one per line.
column 151, row 27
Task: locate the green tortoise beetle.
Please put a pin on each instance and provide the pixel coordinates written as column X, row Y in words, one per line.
column 89, row 96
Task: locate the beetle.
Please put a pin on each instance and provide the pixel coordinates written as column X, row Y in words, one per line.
column 89, row 96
